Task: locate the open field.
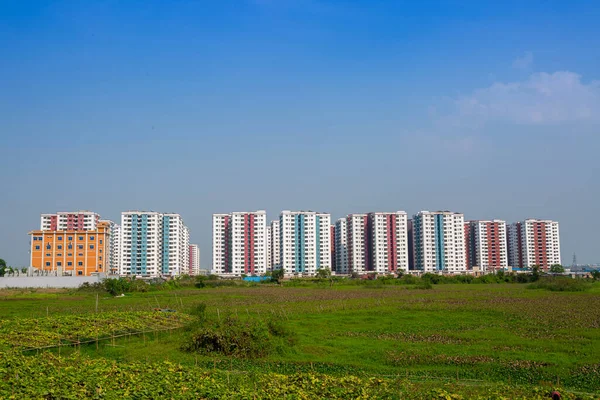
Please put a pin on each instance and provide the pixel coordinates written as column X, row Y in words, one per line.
column 467, row 340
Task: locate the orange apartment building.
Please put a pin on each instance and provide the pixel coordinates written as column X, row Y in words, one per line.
column 74, row 252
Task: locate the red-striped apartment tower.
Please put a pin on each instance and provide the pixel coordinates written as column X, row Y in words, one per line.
column 485, row 245
column 533, row 242
column 240, row 243
column 72, row 221
column 377, row 242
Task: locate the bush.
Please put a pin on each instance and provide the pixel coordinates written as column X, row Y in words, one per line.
column 560, row 284
column 236, row 338
column 408, row 280
column 424, row 284
column 116, row 286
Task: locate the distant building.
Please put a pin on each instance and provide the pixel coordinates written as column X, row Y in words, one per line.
column 79, row 252
column 534, row 242
column 194, row 260
column 377, row 242
column 240, row 243
column 304, row 242
column 439, row 242
column 114, row 243
column 485, row 244
column 71, row 221
column 275, row 250
column 332, row 246
column 341, row 246
column 153, row 244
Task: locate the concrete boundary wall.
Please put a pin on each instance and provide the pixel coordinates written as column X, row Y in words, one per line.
column 48, row 281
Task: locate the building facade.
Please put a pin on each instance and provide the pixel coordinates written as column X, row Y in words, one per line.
column 114, row 247
column 486, row 246
column 71, row 221
column 71, row 252
column 194, row 258
column 240, row 243
column 275, row 249
column 356, row 242
column 439, row 242
column 534, row 242
column 153, row 244
column 341, row 247
column 304, row 241
column 377, row 242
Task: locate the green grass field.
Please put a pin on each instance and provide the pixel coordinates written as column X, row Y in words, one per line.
column 466, row 340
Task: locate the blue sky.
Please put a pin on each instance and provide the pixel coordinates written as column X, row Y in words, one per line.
column 197, row 107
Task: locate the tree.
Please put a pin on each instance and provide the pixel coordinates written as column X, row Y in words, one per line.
column 323, row 273
column 277, row 275
column 596, row 274
column 2, row 267
column 535, row 274
column 557, row 269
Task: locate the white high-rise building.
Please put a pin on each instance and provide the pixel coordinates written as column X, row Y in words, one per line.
column 240, row 243
column 356, row 232
column 376, row 242
column 439, row 242
column 486, row 244
column 275, row 245
column 341, row 247
column 194, row 257
column 269, row 240
column 534, row 242
column 304, row 242
column 388, row 241
column 114, row 255
column 153, row 244
column 70, row 221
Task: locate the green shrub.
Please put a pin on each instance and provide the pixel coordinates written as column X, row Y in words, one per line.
column 116, row 286
column 242, row 339
column 560, row 284
column 424, row 284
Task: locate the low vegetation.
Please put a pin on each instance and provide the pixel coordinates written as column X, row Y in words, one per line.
column 561, row 284
column 391, row 338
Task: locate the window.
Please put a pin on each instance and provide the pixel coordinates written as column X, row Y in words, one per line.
column 69, row 264
column 59, row 247
column 60, row 238
column 37, row 247
column 70, row 246
column 48, row 247
column 91, row 246
column 70, row 238
column 80, row 247
column 58, row 264
column 80, row 237
column 79, row 272
column 80, row 263
column 91, row 238
column 100, row 241
column 47, row 264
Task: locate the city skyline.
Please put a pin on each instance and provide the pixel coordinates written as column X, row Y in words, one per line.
column 488, row 108
column 269, row 220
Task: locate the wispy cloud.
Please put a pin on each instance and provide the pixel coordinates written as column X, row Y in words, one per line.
column 523, row 62
column 542, row 99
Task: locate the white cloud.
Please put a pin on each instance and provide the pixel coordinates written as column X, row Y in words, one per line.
column 523, row 62
column 543, row 99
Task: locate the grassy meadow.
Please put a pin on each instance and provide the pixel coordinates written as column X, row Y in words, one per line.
column 395, row 341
